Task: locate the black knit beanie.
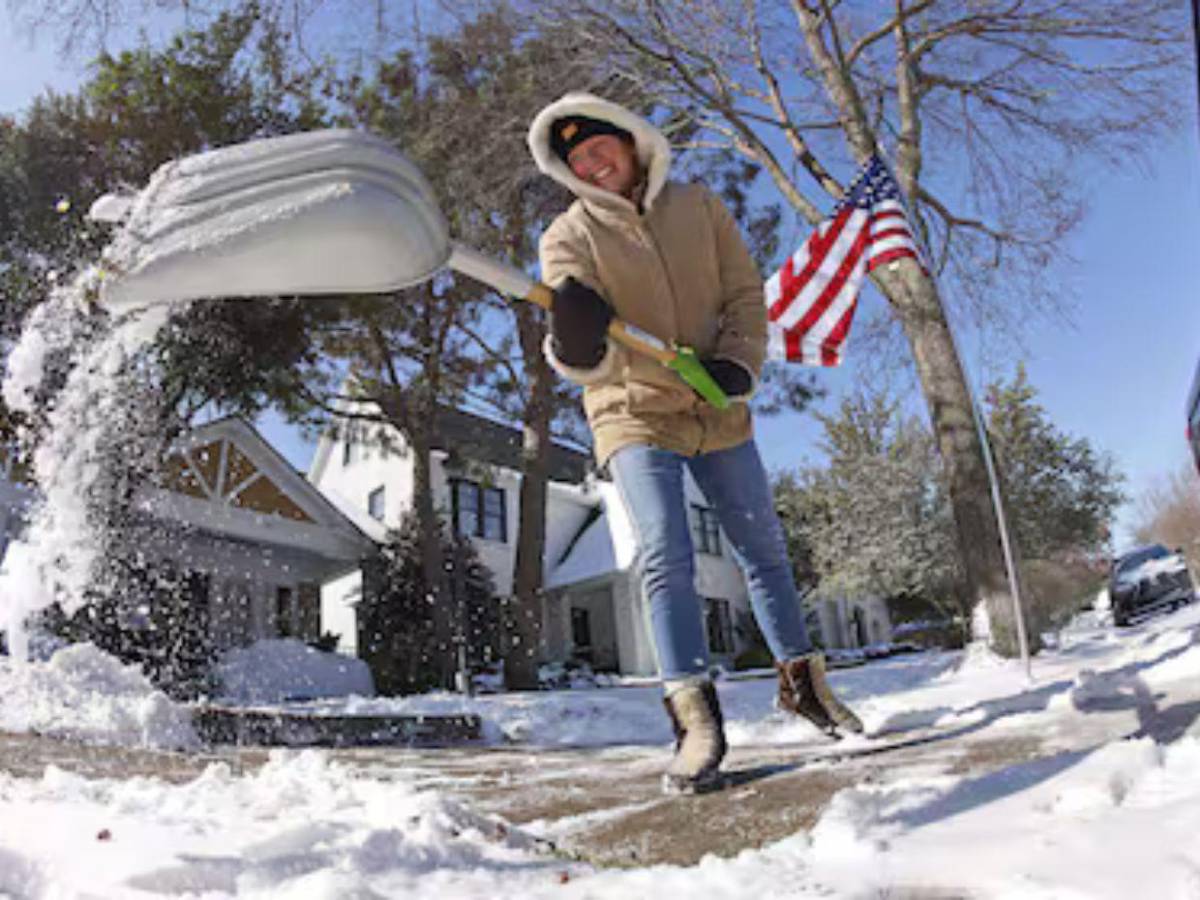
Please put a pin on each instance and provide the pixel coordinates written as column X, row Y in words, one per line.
column 570, row 131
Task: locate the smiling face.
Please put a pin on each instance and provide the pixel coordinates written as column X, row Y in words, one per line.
column 607, row 161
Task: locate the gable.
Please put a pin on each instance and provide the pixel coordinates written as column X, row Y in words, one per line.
column 220, row 472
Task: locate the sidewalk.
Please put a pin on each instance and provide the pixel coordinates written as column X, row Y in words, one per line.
column 603, row 806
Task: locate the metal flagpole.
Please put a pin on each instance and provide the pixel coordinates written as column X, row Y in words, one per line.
column 1196, row 41
column 989, row 463
column 998, row 506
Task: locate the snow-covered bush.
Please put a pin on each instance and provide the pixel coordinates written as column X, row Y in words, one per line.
column 279, row 670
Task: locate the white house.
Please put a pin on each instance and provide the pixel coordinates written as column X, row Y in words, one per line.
column 262, row 552
column 593, row 607
column 252, row 536
column 594, row 604
column 234, row 546
column 850, row 622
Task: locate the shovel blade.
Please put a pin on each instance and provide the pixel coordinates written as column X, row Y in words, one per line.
column 335, row 212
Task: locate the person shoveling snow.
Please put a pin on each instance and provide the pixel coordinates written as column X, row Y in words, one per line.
column 668, row 256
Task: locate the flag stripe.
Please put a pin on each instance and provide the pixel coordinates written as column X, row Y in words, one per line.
column 883, row 258
column 833, row 314
column 831, row 267
column 847, row 277
column 792, row 282
column 838, row 335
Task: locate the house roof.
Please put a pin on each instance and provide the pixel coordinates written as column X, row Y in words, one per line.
column 371, row 527
column 486, row 441
column 605, row 543
column 224, row 477
column 591, row 555
column 483, row 440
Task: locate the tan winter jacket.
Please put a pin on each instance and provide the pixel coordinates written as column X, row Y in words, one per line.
column 678, row 270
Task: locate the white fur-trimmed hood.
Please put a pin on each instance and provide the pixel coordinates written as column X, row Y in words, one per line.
column 653, row 150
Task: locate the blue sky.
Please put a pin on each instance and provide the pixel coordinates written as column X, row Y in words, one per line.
column 1118, row 375
column 28, row 70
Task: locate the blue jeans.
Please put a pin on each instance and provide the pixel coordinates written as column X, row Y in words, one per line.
column 650, row 481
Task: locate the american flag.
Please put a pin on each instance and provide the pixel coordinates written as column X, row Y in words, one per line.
column 811, row 300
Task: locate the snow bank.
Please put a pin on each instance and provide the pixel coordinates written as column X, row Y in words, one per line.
column 86, row 695
column 280, row 670
column 1117, row 822
column 301, row 827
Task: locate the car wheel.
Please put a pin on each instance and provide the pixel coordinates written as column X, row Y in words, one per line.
column 1120, row 619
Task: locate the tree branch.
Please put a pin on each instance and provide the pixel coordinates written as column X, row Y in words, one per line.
column 908, row 150
column 872, row 37
column 837, row 82
column 800, row 147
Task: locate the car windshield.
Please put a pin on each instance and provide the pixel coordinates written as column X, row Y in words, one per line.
column 1135, row 559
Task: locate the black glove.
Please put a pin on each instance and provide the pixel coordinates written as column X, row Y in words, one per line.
column 579, row 320
column 731, row 377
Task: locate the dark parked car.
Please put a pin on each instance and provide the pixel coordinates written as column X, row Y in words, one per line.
column 1147, row 579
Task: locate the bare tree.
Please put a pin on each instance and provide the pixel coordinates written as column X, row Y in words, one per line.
column 985, row 109
column 1168, row 512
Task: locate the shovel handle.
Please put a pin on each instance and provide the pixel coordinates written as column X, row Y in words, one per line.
column 631, row 337
column 682, row 359
column 513, row 281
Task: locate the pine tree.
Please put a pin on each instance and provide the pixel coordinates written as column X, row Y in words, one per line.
column 1062, row 492
column 397, row 633
column 875, row 520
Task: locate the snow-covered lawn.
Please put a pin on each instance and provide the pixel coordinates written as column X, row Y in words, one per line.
column 1118, row 819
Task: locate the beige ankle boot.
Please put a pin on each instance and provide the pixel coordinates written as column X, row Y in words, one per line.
column 699, row 736
column 804, row 690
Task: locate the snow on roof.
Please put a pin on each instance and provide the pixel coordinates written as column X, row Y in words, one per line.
column 591, row 556
column 367, row 524
column 607, row 545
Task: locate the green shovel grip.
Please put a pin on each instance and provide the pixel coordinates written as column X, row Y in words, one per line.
column 690, row 369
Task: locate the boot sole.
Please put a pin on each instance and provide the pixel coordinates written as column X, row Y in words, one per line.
column 682, row 786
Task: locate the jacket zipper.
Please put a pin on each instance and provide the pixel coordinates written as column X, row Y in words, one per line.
column 648, row 235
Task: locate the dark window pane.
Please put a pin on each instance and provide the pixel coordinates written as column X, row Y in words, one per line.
column 466, row 508
column 493, row 514
column 719, row 625
column 283, row 611
column 581, row 630
column 375, row 503
column 707, row 530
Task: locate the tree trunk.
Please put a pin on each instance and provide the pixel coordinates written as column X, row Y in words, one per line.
column 432, row 564
column 914, row 296
column 524, row 646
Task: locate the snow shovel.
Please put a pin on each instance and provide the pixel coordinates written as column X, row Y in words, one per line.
column 320, row 213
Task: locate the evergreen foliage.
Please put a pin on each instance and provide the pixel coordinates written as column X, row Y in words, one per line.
column 397, row 634
column 876, row 519
column 1062, row 492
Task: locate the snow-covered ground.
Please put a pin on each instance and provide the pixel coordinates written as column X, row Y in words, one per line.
column 1119, row 819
